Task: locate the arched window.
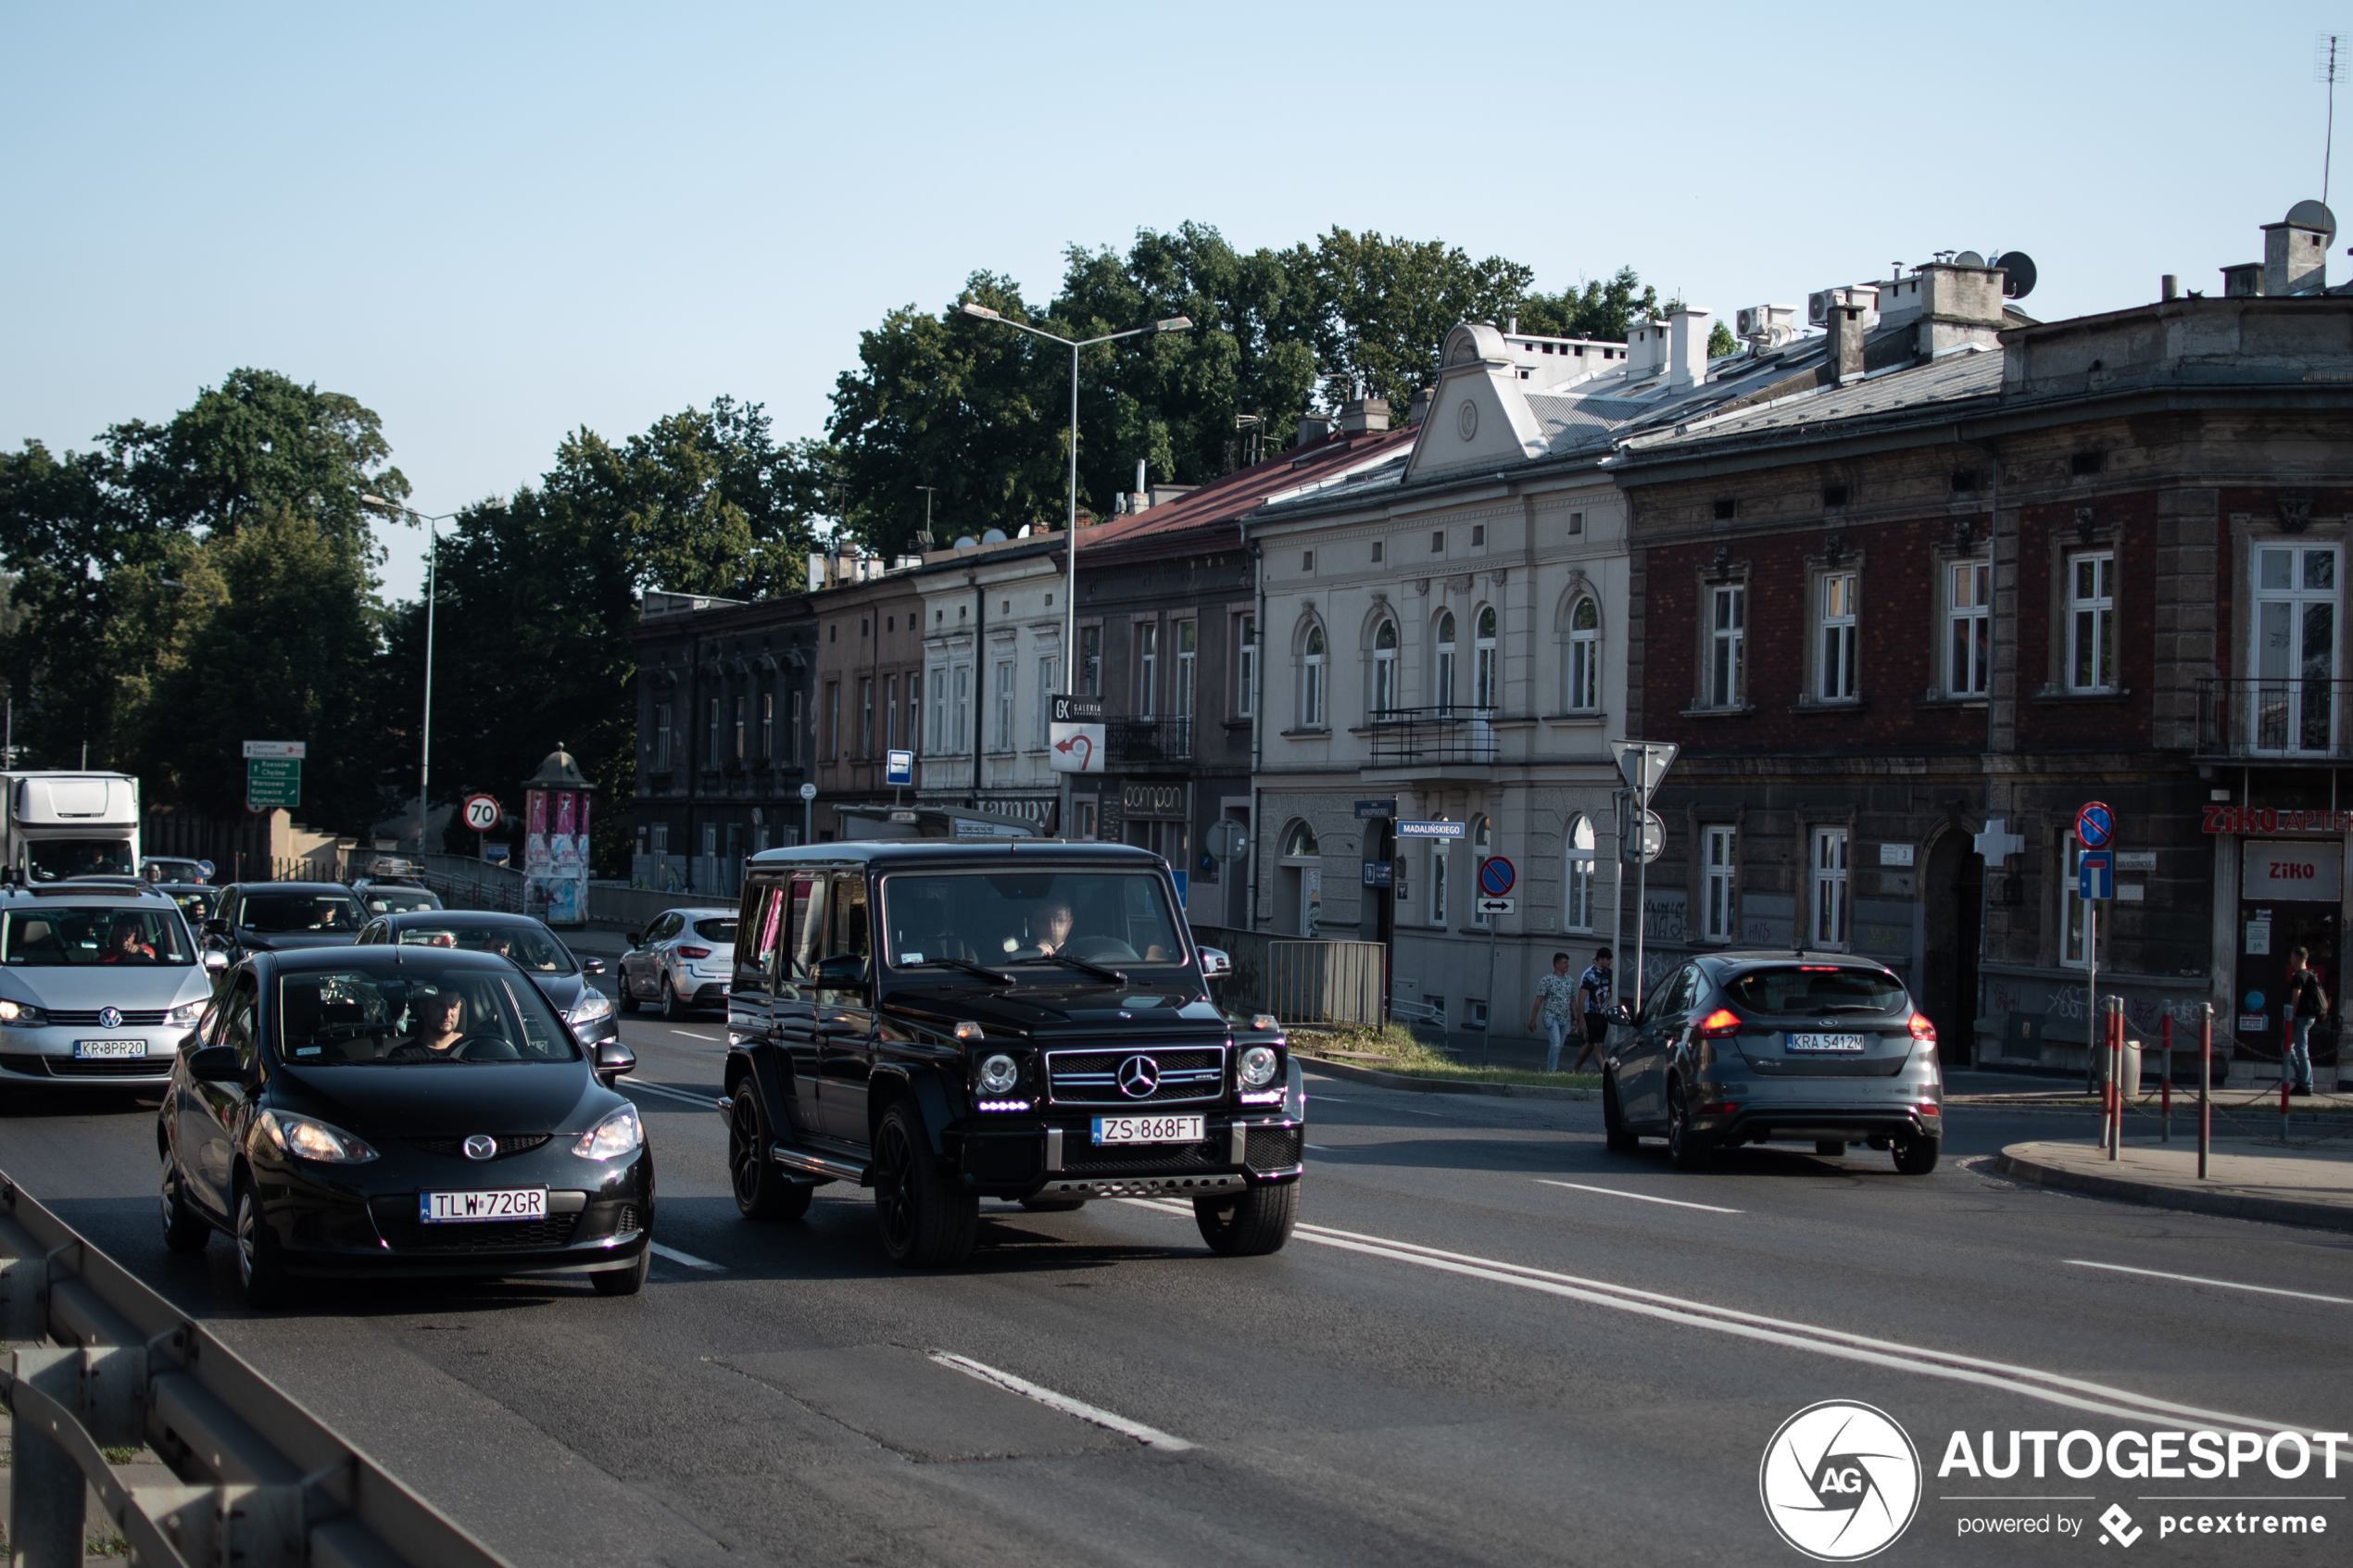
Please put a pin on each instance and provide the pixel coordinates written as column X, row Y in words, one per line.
column 1310, row 680
column 1301, row 842
column 1482, row 847
column 1444, row 689
column 1576, row 889
column 1299, row 891
column 1486, row 673
column 1584, row 656
column 1385, row 667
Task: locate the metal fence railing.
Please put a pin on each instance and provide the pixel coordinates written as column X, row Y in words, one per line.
column 1327, row 982
column 2290, row 717
column 112, row 1364
column 1413, row 737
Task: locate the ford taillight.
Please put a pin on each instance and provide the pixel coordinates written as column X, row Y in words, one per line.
column 1720, row 1023
column 1922, row 1029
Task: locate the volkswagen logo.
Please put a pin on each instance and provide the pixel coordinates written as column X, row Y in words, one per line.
column 109, row 1018
column 481, row 1146
column 1840, row 1481
column 1139, row 1077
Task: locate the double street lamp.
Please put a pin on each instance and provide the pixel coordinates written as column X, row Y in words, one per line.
column 432, row 566
column 1070, row 539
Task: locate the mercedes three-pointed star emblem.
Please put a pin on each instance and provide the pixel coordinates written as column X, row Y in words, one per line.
column 1139, row 1077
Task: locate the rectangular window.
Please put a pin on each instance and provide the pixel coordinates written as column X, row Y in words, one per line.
column 658, row 842
column 1048, row 671
column 661, row 735
column 1090, row 662
column 960, row 710
column 1187, row 652
column 1005, row 705
column 1834, row 682
column 2091, row 622
column 738, row 736
column 1376, row 544
column 711, row 742
column 890, row 712
column 767, row 726
column 1147, row 667
column 938, row 741
column 1828, row 922
column 1968, row 628
column 1722, row 864
column 2295, row 656
column 833, row 722
column 1438, row 882
column 914, row 705
column 1728, row 646
column 866, row 717
column 1437, row 542
column 800, row 726
column 1245, row 663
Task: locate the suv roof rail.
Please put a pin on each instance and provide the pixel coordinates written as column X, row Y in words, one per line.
column 135, row 887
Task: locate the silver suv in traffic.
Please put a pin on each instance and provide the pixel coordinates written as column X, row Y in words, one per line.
column 100, row 981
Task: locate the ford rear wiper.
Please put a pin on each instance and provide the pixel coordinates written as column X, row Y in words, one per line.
column 994, row 976
column 1115, row 977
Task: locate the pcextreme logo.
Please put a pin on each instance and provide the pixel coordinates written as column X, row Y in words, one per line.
column 1840, row 1481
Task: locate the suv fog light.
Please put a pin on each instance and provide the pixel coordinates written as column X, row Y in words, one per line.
column 1258, row 1067
column 998, row 1074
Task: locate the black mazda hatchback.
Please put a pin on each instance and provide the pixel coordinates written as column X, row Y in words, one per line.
column 400, row 1109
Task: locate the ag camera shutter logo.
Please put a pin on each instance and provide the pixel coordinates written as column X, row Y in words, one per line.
column 1840, row 1481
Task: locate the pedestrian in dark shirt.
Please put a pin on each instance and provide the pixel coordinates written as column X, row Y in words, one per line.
column 1595, row 986
column 2308, row 1003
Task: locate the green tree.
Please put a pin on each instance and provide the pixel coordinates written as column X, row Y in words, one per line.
column 1721, row 342
column 1386, row 304
column 1603, row 309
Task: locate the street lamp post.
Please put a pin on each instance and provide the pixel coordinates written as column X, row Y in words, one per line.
column 1070, row 539
column 432, row 576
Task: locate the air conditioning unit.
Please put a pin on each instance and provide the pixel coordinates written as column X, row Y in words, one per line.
column 1768, row 326
column 1820, row 303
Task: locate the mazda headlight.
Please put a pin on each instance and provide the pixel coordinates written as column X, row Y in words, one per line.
column 186, row 1013
column 24, row 1015
column 307, row 1138
column 998, row 1074
column 1258, row 1067
column 617, row 1134
column 593, row 1005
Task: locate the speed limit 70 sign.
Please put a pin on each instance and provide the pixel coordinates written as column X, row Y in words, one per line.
column 481, row 813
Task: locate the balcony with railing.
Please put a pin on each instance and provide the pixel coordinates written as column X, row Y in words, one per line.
column 2274, row 718
column 1412, row 737
column 1134, row 741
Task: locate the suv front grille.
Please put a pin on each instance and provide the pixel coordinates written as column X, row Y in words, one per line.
column 1091, row 1077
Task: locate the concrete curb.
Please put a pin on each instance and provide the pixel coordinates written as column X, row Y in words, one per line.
column 1437, row 1086
column 2193, row 1200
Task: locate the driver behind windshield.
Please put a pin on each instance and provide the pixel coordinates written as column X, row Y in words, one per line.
column 1052, row 925
column 125, row 944
column 437, row 1023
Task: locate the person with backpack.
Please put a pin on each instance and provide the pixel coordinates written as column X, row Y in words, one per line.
column 2308, row 1003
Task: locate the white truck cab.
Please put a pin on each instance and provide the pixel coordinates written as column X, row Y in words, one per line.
column 59, row 825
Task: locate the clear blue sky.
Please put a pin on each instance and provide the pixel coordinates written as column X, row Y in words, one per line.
column 496, row 223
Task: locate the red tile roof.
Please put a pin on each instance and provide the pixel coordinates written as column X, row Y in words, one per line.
column 1221, row 501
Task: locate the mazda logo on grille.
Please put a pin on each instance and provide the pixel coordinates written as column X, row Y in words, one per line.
column 480, row 1146
column 109, row 1018
column 1139, row 1077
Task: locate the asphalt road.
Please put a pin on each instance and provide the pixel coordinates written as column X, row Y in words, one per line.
column 1492, row 1342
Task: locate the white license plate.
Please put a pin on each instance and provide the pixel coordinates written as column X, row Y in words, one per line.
column 109, row 1050
column 463, row 1208
column 1827, row 1045
column 1148, row 1129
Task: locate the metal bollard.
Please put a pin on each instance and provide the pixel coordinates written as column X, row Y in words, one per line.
column 2282, row 1102
column 2204, row 1085
column 46, row 1489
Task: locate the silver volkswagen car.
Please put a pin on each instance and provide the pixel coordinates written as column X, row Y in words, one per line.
column 100, row 981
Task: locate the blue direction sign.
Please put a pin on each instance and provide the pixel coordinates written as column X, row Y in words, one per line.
column 1496, row 876
column 2095, row 875
column 1380, row 873
column 1376, row 810
column 1429, row 830
column 2095, row 825
column 898, row 767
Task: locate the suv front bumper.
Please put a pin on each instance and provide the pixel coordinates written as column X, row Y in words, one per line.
column 1058, row 1160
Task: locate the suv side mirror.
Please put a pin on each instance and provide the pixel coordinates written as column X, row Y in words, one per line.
column 215, row 1064
column 842, row 971
column 1214, row 961
column 613, row 1058
column 216, row 925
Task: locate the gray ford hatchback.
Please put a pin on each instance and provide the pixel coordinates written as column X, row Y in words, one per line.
column 1754, row 1048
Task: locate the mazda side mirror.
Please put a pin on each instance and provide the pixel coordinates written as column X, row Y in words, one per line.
column 592, row 966
column 1214, row 962
column 215, row 1064
column 842, row 971
column 613, row 1058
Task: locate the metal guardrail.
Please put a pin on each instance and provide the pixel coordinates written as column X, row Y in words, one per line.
column 264, row 1483
column 1327, row 982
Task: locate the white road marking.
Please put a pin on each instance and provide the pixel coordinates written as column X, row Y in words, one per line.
column 2224, row 1284
column 691, row 1034
column 2052, row 1387
column 1641, row 1197
column 1062, row 1402
column 688, row 1259
column 1318, row 1147
column 707, row 1101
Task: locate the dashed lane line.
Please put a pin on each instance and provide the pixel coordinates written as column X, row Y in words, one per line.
column 2223, row 1283
column 1641, row 1197
column 1151, row 1435
column 708, row 1100
column 686, row 1260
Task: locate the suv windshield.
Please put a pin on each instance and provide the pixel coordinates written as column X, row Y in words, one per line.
column 47, row 859
column 299, row 912
column 56, row 936
column 1006, row 919
column 534, row 950
column 419, row 1015
column 1811, row 988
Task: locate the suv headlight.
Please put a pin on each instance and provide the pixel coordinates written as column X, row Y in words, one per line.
column 618, row 1134
column 1257, row 1067
column 309, row 1138
column 24, row 1015
column 593, row 1005
column 186, row 1014
column 998, row 1074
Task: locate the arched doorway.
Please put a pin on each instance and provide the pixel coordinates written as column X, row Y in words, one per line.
column 1299, row 882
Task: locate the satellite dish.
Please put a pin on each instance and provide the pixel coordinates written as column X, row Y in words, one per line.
column 994, row 536
column 1969, row 258
column 2020, row 267
column 2313, row 214
column 966, row 543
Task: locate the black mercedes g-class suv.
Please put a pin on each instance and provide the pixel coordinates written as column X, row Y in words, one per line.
column 947, row 1022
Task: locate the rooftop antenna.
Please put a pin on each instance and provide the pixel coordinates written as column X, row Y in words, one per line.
column 2327, row 52
column 926, row 489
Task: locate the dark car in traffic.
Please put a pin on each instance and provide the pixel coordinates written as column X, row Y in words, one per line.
column 560, row 974
column 401, row 1109
column 281, row 917
column 1742, row 1047
column 945, row 1023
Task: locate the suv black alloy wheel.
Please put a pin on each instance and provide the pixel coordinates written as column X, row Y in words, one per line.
column 762, row 1191
column 926, row 1222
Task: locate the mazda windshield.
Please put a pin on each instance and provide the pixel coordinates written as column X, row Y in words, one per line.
column 1029, row 924
column 417, row 1015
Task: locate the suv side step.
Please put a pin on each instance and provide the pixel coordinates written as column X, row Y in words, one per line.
column 817, row 1165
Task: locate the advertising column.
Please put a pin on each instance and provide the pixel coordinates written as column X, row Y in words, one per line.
column 554, row 865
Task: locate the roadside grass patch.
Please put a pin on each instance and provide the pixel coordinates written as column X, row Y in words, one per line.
column 1393, row 1048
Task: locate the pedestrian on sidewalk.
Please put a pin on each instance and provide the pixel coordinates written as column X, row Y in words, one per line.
column 2307, row 1002
column 1594, row 988
column 1556, row 1005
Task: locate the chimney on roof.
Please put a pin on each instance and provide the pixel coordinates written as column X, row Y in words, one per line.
column 1849, row 324
column 1419, row 409
column 2243, row 281
column 1364, row 416
column 1646, row 347
column 1314, row 427
column 1687, row 347
column 2295, row 256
